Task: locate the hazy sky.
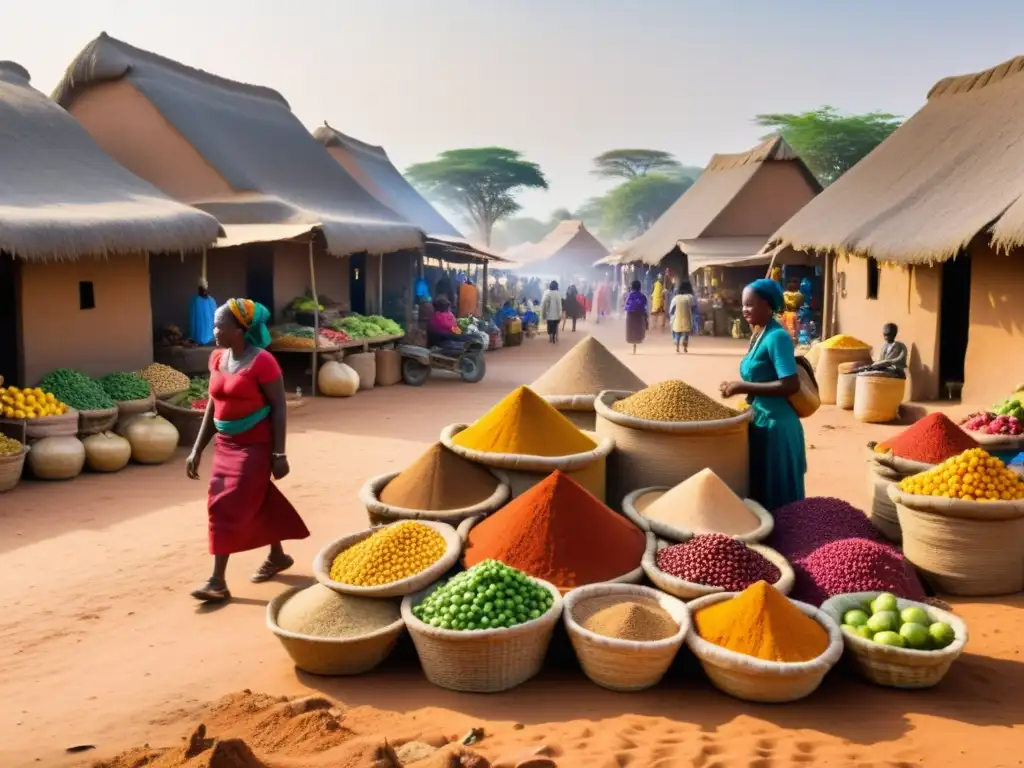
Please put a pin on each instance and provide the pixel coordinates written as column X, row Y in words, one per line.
column 560, row 80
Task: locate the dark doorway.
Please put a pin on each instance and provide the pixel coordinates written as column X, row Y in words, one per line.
column 10, row 328
column 259, row 275
column 954, row 319
column 357, row 282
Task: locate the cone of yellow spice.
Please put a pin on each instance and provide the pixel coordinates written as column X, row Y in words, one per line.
column 389, row 555
column 974, row 475
column 842, row 341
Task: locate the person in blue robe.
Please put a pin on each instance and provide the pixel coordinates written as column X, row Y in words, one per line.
column 201, row 310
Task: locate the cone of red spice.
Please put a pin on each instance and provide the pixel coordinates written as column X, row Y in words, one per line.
column 558, row 531
column 931, row 440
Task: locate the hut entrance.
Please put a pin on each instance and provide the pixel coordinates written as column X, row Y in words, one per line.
column 259, row 274
column 954, row 323
column 10, row 358
column 357, row 282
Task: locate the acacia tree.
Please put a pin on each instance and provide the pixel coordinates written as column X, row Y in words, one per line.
column 829, row 142
column 480, row 183
column 632, row 163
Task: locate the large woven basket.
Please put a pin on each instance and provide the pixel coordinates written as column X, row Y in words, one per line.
column 524, row 472
column 622, row 665
column 968, row 548
column 881, row 510
column 381, row 513
column 877, row 398
column 689, row 590
column 10, row 470
column 897, row 667
column 129, row 409
column 323, row 561
column 483, row 660
column 65, row 425
column 333, row 655
column 846, row 384
column 826, row 370
column 901, row 467
column 752, row 679
column 661, row 453
column 187, row 421
column 388, row 367
column 579, row 409
column 997, row 442
column 675, row 533
column 94, row 422
column 634, row 576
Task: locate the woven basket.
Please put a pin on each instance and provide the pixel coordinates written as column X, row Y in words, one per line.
column 483, row 660
column 965, row 548
column 901, row 467
column 622, row 665
column 333, row 655
column 846, row 384
column 997, row 442
column 324, row 560
column 827, row 369
column 812, row 355
column 524, row 472
column 381, row 513
column 881, row 510
column 129, row 409
column 65, row 425
column 769, row 682
column 388, row 365
column 675, row 533
column 877, row 398
column 652, row 453
column 187, row 421
column 365, row 366
column 689, row 590
column 10, row 470
column 94, row 422
column 897, row 667
column 579, row 409
column 634, row 576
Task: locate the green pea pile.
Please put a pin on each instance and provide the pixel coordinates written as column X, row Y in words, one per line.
column 125, row 386
column 490, row 595
column 76, row 390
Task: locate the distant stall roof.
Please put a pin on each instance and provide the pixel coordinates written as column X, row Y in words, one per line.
column 568, row 247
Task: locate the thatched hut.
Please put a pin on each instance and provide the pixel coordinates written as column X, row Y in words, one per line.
column 568, row 250
column 76, row 231
column 238, row 152
column 927, row 232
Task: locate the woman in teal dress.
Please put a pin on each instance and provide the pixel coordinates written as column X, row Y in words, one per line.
column 778, row 460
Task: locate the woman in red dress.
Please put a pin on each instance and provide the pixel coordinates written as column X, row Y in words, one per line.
column 247, row 412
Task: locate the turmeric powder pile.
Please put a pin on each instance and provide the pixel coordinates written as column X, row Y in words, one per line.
column 761, row 622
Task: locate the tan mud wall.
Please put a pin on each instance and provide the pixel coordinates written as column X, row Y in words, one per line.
column 994, row 365
column 909, row 298
column 115, row 336
column 291, row 274
column 775, row 193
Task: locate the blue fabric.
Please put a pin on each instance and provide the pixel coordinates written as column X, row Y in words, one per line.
column 770, row 291
column 778, row 460
column 200, row 319
column 238, row 426
column 422, row 290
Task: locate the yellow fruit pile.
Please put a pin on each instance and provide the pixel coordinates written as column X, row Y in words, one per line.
column 29, row 403
column 974, row 475
column 393, row 553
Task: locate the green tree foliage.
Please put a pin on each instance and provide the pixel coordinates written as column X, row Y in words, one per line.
column 516, row 230
column 633, row 206
column 829, row 142
column 632, row 163
column 481, row 183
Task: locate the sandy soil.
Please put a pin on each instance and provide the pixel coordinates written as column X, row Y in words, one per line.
column 101, row 645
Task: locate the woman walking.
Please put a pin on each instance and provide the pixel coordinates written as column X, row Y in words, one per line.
column 573, row 309
column 778, row 459
column 636, row 315
column 551, row 310
column 247, row 412
column 681, row 312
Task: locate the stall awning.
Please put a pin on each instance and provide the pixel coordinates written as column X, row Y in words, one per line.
column 243, row 234
column 721, row 251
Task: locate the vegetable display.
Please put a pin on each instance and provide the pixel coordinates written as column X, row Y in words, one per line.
column 29, row 403
column 294, row 336
column 882, row 621
column 974, row 475
column 989, row 423
column 123, row 387
column 164, row 380
column 196, row 390
column 1014, row 407
column 367, row 327
column 75, row 389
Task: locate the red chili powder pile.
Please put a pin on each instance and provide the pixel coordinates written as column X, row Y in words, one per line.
column 558, row 531
column 931, row 440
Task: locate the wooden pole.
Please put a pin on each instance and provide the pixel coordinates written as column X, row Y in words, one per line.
column 380, row 284
column 316, row 316
column 828, row 298
column 203, row 273
column 484, row 289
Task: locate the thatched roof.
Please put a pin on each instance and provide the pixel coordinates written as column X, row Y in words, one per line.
column 698, row 207
column 62, row 197
column 569, row 247
column 250, row 136
column 953, row 170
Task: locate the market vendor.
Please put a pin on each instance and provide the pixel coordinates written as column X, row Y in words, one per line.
column 201, row 310
column 893, row 358
column 247, row 412
column 778, row 459
column 443, row 328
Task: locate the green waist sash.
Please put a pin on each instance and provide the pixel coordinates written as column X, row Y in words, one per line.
column 238, row 426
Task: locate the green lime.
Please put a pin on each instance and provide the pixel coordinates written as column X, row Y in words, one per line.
column 889, row 638
column 915, row 615
column 942, row 634
column 916, row 635
column 884, row 621
column 856, row 618
column 885, row 602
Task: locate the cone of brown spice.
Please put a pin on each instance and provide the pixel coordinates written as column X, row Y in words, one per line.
column 632, row 620
column 440, row 480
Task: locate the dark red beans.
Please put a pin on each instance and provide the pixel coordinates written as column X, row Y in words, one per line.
column 717, row 561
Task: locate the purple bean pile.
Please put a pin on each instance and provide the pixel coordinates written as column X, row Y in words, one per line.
column 715, row 560
column 854, row 565
column 803, row 526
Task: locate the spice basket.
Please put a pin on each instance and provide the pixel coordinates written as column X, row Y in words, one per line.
column 129, row 409
column 769, row 682
column 965, row 548
column 381, row 513
column 524, row 471
column 333, row 655
column 846, row 383
column 902, row 467
column 622, row 665
column 826, row 369
column 877, row 399
column 579, row 409
column 660, row 453
column 997, row 442
column 689, row 590
column 187, row 421
column 674, row 533
column 323, row 561
column 94, row 422
column 11, row 468
column 881, row 510
column 897, row 667
column 65, row 425
column 484, row 660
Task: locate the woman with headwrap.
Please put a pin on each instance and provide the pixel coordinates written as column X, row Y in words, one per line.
column 636, row 315
column 778, row 460
column 247, row 412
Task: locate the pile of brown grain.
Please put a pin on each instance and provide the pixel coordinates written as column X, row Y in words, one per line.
column 587, row 369
column 439, row 480
column 638, row 620
column 322, row 612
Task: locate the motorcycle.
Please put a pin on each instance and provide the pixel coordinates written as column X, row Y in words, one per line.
column 462, row 356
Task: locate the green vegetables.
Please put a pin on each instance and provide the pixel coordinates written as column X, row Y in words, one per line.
column 1011, row 407
column 76, row 390
column 490, row 595
column 125, row 386
column 198, row 389
column 367, row 327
